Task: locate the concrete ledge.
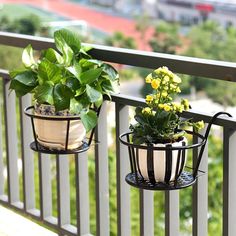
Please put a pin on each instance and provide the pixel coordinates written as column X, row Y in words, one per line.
column 12, row 224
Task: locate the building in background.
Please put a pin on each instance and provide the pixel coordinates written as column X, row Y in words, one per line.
column 183, row 11
column 195, row 11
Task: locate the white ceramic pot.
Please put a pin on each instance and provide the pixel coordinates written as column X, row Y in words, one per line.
column 52, row 133
column 157, row 166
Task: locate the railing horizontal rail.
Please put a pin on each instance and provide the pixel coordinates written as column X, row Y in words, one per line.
column 137, row 101
column 180, row 64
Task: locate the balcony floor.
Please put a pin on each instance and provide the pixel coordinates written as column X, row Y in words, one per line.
column 12, row 224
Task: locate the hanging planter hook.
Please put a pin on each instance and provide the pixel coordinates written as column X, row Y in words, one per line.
column 206, row 137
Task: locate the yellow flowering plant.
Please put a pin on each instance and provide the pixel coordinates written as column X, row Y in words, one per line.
column 159, row 121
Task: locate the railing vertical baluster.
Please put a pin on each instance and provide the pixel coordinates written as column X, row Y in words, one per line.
column 229, row 177
column 82, row 194
column 146, row 213
column 45, row 186
column 200, row 195
column 172, row 213
column 102, row 175
column 1, row 157
column 27, row 156
column 11, row 144
column 63, row 190
column 122, row 165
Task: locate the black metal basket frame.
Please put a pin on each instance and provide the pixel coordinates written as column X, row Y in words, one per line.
column 182, row 178
column 36, row 146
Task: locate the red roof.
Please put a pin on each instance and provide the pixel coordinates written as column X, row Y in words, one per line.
column 96, row 19
column 204, row 7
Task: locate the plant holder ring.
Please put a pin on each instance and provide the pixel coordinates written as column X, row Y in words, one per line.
column 182, row 178
column 179, row 177
column 36, row 146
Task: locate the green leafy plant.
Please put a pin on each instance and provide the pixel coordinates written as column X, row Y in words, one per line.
column 67, row 78
column 160, row 120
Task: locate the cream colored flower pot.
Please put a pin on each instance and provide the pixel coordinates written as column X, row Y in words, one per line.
column 52, row 133
column 159, row 167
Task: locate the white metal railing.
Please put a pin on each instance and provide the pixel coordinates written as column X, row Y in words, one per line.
column 62, row 221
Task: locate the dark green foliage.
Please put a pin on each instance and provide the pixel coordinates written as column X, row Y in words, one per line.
column 166, row 38
column 25, row 25
column 67, row 79
column 118, row 39
column 210, row 40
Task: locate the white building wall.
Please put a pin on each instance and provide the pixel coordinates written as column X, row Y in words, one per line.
column 176, row 13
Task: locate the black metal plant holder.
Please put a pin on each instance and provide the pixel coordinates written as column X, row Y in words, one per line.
column 36, row 146
column 183, row 177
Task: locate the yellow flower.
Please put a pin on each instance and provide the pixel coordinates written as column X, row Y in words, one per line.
column 158, row 70
column 161, row 106
column 175, row 105
column 200, row 124
column 178, row 90
column 176, row 79
column 185, row 103
column 166, row 88
column 155, row 83
column 149, row 78
column 149, row 98
column 164, row 94
column 164, row 70
column 178, row 107
column 166, row 78
column 167, row 107
column 147, row 110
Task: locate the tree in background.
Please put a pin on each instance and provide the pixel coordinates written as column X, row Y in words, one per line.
column 31, row 25
column 142, row 25
column 26, row 25
column 209, row 40
column 166, row 38
column 118, row 39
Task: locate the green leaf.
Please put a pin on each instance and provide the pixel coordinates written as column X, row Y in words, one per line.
column 49, row 71
column 86, row 48
column 66, row 38
column 80, row 91
column 95, row 62
column 14, row 73
column 84, row 100
column 26, row 77
column 23, row 82
column 67, row 54
column 93, row 94
column 86, row 64
column 75, row 69
column 20, row 89
column 99, row 102
column 53, row 56
column 61, row 97
column 107, row 86
column 110, row 71
column 90, row 76
column 89, row 119
column 75, row 106
column 44, row 93
column 27, row 57
column 73, row 84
